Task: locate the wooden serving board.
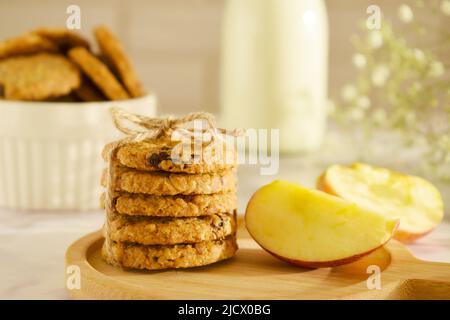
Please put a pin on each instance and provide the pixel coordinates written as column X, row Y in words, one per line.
column 255, row 274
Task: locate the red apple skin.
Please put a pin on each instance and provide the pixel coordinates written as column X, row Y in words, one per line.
column 400, row 235
column 321, row 264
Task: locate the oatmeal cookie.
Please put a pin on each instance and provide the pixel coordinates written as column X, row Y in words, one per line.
column 166, row 183
column 99, row 73
column 154, row 257
column 155, row 155
column 26, row 44
column 167, row 231
column 64, row 38
column 114, row 54
column 173, row 206
column 38, row 77
column 88, row 92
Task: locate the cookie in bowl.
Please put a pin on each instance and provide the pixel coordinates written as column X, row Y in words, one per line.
column 55, row 119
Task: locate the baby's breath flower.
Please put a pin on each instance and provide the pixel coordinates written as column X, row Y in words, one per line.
column 419, row 55
column 405, row 13
column 349, row 92
column 379, row 75
column 359, row 60
column 402, row 88
column 363, row 102
column 436, row 69
column 375, row 39
column 445, row 7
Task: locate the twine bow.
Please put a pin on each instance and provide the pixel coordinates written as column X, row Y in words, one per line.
column 163, row 127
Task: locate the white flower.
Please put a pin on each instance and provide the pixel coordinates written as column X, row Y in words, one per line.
column 419, row 55
column 375, row 39
column 349, row 92
column 445, row 7
column 436, row 69
column 359, row 60
column 405, row 13
column 363, row 102
column 379, row 75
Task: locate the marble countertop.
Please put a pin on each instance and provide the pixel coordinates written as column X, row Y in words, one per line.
column 33, row 244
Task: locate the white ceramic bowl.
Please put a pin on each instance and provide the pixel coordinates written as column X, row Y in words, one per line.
column 50, row 152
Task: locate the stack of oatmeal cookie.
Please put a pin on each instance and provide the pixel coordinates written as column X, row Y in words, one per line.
column 164, row 214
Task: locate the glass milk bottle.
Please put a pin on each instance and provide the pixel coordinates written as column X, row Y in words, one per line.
column 274, row 69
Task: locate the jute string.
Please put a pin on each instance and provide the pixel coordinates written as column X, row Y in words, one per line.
column 163, row 127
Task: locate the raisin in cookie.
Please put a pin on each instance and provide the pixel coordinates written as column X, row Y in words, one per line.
column 158, row 155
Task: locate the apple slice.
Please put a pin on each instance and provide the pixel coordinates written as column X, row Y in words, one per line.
column 415, row 201
column 311, row 228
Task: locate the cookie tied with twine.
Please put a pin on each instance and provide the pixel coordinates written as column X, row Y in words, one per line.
column 142, row 164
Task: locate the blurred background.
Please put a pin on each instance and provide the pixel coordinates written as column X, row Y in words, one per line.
column 175, row 44
column 395, row 79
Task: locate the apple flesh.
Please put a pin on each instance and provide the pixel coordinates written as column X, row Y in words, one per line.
column 414, row 201
column 311, row 228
